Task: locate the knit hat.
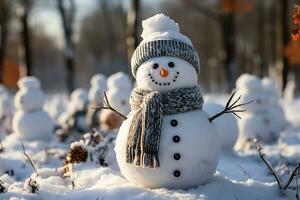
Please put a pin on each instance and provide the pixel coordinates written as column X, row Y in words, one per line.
column 162, row 37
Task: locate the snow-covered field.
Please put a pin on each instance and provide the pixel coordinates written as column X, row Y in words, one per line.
column 240, row 174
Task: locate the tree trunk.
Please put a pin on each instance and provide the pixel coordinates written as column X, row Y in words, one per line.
column 4, row 20
column 132, row 28
column 228, row 32
column 26, row 37
column 285, row 39
column 67, row 18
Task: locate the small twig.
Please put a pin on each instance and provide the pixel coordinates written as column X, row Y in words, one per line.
column 230, row 108
column 292, row 176
column 267, row 162
column 30, row 161
column 235, row 197
column 108, row 107
column 244, row 171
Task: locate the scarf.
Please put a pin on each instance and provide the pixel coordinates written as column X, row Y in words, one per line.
column 145, row 129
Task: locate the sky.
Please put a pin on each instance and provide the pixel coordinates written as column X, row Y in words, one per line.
column 45, row 14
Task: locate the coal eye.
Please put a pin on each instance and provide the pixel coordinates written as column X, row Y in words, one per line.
column 171, row 64
column 155, row 66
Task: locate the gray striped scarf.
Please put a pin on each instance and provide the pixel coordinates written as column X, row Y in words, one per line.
column 145, row 129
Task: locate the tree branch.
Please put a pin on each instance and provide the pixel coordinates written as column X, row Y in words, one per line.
column 229, row 108
column 107, row 106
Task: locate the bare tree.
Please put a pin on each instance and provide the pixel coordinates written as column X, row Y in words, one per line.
column 285, row 39
column 4, row 20
column 132, row 28
column 226, row 22
column 67, row 17
column 23, row 12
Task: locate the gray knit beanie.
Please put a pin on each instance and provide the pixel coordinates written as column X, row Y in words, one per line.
column 161, row 37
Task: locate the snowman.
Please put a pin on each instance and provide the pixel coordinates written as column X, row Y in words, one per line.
column 167, row 140
column 119, row 89
column 257, row 122
column 75, row 117
column 96, row 94
column 273, row 100
column 227, row 125
column 30, row 121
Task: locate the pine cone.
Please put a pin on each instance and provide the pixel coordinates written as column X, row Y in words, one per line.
column 77, row 154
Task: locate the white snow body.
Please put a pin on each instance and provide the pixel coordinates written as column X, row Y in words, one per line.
column 119, row 99
column 35, row 125
column 226, row 125
column 261, row 125
column 198, row 147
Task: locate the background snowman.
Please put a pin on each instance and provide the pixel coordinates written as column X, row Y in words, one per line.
column 257, row 122
column 167, row 140
column 119, row 88
column 30, row 121
column 74, row 119
column 96, row 94
column 273, row 99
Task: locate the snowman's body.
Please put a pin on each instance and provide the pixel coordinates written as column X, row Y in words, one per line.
column 33, row 125
column 259, row 126
column 189, row 148
column 193, row 139
column 30, row 121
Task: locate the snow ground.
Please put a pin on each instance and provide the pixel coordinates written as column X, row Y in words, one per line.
column 240, row 175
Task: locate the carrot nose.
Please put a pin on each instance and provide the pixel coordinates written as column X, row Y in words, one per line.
column 164, row 72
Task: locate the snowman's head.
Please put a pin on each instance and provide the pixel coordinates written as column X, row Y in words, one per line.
column 166, row 73
column 30, row 97
column 119, row 80
column 165, row 59
column 250, row 88
column 98, row 80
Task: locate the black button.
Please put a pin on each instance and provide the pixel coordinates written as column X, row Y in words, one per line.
column 176, row 138
column 176, row 156
column 176, row 173
column 174, row 122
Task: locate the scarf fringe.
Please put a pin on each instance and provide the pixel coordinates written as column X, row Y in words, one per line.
column 150, row 160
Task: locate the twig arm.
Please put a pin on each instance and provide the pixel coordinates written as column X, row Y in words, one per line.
column 230, row 108
column 109, row 107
